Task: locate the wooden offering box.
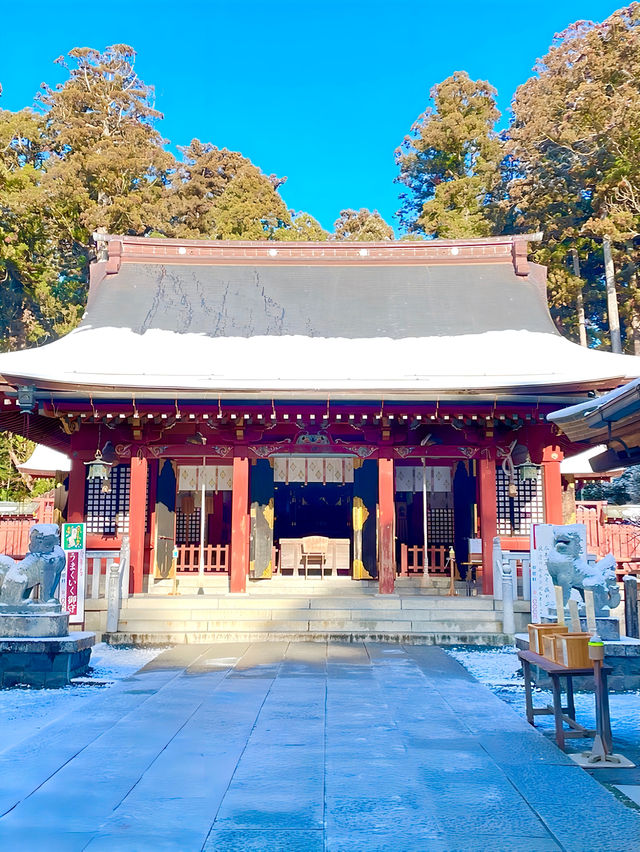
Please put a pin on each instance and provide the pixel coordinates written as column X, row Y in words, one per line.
column 536, row 632
column 550, row 646
column 572, row 650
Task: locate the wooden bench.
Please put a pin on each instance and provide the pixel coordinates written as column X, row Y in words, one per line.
column 563, row 714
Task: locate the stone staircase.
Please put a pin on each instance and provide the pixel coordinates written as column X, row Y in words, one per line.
column 287, row 608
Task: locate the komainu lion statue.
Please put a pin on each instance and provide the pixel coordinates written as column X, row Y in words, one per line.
column 41, row 566
column 570, row 570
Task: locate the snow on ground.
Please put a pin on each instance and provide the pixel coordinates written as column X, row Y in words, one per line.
column 25, row 710
column 500, row 670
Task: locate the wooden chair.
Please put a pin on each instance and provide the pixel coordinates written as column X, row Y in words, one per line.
column 314, row 552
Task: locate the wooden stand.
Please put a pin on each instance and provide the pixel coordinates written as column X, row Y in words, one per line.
column 564, row 714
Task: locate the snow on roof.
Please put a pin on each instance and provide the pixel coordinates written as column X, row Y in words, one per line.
column 44, row 461
column 579, row 466
column 315, row 319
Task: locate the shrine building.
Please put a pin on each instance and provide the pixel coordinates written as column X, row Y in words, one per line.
column 264, row 408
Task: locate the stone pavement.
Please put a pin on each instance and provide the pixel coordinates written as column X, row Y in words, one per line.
column 307, row 747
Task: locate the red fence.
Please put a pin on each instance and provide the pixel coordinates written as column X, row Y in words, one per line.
column 14, row 529
column 216, row 558
column 621, row 539
column 412, row 559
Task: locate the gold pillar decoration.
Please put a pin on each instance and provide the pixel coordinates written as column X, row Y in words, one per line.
column 360, row 515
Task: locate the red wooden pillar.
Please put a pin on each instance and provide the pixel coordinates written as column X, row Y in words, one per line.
column 552, row 484
column 239, row 526
column 137, row 521
column 488, row 512
column 386, row 544
column 77, row 486
column 150, row 539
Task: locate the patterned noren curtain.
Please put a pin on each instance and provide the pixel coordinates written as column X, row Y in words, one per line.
column 217, row 477
column 313, row 469
column 409, row 478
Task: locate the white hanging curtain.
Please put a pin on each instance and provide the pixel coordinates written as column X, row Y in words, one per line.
column 217, row 477
column 313, row 469
column 410, row 478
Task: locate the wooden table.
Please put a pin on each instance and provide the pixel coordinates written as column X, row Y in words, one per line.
column 337, row 556
column 563, row 714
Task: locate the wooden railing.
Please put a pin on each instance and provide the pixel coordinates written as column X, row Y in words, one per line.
column 216, row 558
column 412, row 559
column 622, row 539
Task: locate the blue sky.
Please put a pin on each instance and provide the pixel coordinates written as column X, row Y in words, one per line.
column 320, row 91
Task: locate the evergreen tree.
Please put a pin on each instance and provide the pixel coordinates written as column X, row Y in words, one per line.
column 250, row 208
column 108, row 167
column 361, row 225
column 451, row 163
column 304, row 228
column 575, row 139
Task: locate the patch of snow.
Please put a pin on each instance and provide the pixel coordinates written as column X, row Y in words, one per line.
column 25, row 710
column 500, row 670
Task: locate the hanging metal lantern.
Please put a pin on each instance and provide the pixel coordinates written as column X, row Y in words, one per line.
column 98, row 468
column 528, row 471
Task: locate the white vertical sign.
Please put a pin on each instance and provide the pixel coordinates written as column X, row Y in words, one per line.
column 543, row 541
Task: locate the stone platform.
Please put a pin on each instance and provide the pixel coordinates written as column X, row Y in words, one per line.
column 334, row 609
column 44, row 662
column 622, row 655
column 301, row 748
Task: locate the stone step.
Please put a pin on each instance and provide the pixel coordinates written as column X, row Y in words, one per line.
column 178, row 637
column 312, row 585
column 303, row 627
column 233, row 602
column 400, row 617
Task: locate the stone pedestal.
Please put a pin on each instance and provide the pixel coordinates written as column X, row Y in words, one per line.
column 608, row 627
column 33, row 625
column 40, row 662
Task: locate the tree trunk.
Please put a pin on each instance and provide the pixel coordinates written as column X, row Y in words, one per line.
column 633, row 316
column 582, row 322
column 612, row 299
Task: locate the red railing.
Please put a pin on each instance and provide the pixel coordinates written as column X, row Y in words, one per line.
column 412, row 559
column 14, row 536
column 216, row 558
column 14, row 529
column 621, row 539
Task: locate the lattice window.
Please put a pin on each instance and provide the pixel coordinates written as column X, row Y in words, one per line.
column 517, row 514
column 440, row 526
column 108, row 513
column 188, row 527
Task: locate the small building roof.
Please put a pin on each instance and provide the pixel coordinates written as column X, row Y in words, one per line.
column 308, row 320
column 45, row 461
column 579, row 465
column 612, row 418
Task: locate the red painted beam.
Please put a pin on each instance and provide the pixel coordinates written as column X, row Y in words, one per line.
column 239, row 526
column 137, row 518
column 488, row 511
column 386, row 545
column 153, row 496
